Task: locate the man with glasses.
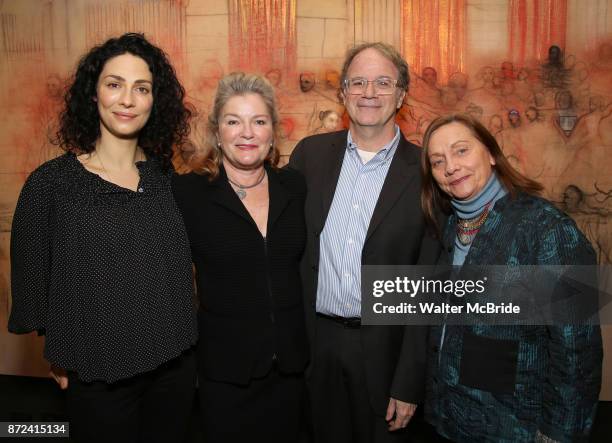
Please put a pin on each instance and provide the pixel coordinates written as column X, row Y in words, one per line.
column 362, row 208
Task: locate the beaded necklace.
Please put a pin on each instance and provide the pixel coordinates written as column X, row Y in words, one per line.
column 468, row 228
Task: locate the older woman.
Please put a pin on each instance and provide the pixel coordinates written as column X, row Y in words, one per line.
column 245, row 222
column 504, row 383
column 99, row 254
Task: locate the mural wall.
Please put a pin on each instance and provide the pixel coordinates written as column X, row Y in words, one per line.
column 537, row 73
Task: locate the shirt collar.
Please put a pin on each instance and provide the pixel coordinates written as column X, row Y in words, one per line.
column 386, row 151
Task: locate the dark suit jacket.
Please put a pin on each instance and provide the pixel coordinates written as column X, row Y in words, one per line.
column 396, row 355
column 251, row 304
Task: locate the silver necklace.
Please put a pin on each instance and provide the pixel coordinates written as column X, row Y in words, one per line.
column 110, row 179
column 240, row 192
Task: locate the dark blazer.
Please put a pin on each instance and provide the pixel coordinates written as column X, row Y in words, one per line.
column 249, row 288
column 395, row 366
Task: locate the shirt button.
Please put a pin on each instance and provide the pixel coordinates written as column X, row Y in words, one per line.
column 140, row 190
column 348, row 305
column 350, row 241
column 355, row 206
column 347, row 275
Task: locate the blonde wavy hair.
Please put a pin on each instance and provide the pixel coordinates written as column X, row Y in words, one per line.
column 236, row 83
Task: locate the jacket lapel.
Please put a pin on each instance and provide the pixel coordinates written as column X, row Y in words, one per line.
column 223, row 195
column 330, row 177
column 403, row 170
column 279, row 197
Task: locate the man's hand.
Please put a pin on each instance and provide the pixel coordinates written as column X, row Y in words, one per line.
column 399, row 414
column 60, row 376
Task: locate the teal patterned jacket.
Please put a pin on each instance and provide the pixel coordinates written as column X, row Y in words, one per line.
column 511, row 383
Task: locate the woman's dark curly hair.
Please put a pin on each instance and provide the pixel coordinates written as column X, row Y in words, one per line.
column 168, row 124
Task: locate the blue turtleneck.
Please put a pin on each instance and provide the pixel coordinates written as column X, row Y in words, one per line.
column 467, row 209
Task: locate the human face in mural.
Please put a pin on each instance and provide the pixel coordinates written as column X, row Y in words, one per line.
column 554, row 55
column 458, row 83
column 507, row 70
column 274, row 76
column 430, row 76
column 563, row 100
column 307, row 81
column 532, row 114
column 460, row 163
column 124, row 94
column 487, row 74
column 286, row 127
column 514, row 118
column 572, row 198
column 496, row 124
column 54, row 87
column 245, row 132
column 370, row 109
column 331, row 120
column 332, row 79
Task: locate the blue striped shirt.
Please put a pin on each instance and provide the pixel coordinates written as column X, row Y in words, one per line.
column 342, row 239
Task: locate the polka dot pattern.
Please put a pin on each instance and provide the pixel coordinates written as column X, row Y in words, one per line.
column 102, row 271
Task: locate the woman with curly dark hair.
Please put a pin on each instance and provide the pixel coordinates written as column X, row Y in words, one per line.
column 100, row 259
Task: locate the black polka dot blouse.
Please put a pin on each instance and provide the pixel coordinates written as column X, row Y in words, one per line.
column 104, row 272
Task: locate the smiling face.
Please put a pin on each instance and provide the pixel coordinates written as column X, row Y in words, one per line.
column 124, row 94
column 245, row 131
column 369, row 109
column 461, row 165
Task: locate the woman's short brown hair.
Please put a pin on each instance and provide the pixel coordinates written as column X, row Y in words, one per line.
column 433, row 199
column 236, row 83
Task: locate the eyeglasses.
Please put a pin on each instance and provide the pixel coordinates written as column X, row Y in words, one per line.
column 358, row 85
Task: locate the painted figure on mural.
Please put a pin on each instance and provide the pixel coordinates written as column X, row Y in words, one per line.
column 553, row 73
column 362, row 207
column 512, row 142
column 100, row 260
column 42, row 146
column 600, row 78
column 514, row 118
column 426, row 89
column 486, row 95
column 588, row 128
column 286, row 139
column 593, row 214
column 496, row 125
column 326, row 121
column 475, row 111
column 533, row 115
column 523, row 86
column 458, row 84
column 284, row 96
column 566, row 115
column 199, row 92
column 307, row 81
